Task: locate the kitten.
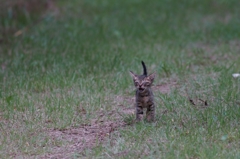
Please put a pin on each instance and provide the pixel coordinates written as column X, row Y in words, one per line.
column 144, row 96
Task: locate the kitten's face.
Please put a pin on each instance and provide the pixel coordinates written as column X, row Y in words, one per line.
column 142, row 82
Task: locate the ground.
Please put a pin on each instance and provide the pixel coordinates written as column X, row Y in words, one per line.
column 66, row 91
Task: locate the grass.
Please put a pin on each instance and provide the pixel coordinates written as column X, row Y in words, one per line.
column 17, row 16
column 72, row 70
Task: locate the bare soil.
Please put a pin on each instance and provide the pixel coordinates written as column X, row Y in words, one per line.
column 88, row 136
column 78, row 139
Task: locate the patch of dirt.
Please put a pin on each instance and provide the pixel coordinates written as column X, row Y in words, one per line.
column 122, row 102
column 78, row 139
column 165, row 88
column 128, row 111
column 118, row 100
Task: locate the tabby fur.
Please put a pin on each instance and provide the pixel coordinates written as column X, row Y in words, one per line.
column 144, row 97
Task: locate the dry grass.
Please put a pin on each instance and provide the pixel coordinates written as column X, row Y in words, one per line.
column 78, row 139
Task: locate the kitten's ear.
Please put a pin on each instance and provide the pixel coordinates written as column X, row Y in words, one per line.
column 151, row 77
column 132, row 74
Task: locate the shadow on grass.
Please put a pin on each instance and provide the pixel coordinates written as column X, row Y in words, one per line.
column 16, row 16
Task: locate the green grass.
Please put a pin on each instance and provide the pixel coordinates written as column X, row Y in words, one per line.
column 66, row 70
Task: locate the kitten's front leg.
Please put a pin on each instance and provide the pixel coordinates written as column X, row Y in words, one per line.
column 139, row 112
column 151, row 112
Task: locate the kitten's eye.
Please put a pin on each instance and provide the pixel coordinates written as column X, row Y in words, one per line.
column 136, row 83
